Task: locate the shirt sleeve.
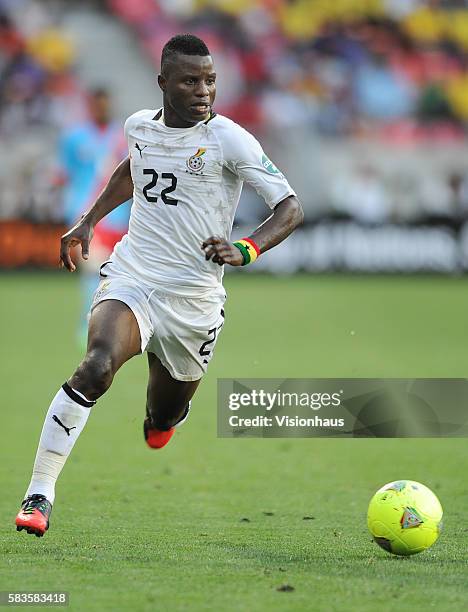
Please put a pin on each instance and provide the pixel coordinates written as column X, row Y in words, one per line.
column 127, row 127
column 244, row 156
column 132, row 123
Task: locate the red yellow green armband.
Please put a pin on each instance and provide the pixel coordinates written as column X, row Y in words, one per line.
column 249, row 250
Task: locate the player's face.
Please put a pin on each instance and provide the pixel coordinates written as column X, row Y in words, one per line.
column 100, row 108
column 189, row 86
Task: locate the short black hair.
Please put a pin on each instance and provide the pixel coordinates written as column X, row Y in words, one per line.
column 99, row 92
column 187, row 44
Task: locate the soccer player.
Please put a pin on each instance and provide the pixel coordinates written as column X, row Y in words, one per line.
column 161, row 290
column 88, row 153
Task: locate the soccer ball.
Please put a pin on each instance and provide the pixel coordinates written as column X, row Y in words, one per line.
column 404, row 517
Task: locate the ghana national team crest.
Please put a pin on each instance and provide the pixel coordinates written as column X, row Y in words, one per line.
column 196, row 163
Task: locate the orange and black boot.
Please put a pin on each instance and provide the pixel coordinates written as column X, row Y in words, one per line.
column 34, row 515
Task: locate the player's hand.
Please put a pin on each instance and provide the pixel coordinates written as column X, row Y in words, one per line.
column 81, row 233
column 222, row 252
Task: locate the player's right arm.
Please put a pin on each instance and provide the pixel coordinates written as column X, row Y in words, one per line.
column 118, row 190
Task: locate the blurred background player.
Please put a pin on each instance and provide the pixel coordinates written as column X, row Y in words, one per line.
column 88, row 153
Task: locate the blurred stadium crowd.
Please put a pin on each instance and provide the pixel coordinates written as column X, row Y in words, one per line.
column 392, row 73
column 339, row 67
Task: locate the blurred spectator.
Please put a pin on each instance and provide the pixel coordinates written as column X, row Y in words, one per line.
column 458, row 186
column 394, row 71
column 381, row 93
column 324, row 66
column 362, row 196
column 11, row 42
column 435, row 198
column 37, row 86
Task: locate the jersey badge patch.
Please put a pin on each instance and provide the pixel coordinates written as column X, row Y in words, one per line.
column 269, row 165
column 196, row 163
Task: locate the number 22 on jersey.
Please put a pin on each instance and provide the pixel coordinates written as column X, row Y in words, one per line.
column 152, row 184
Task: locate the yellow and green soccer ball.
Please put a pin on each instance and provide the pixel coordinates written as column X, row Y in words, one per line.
column 404, row 517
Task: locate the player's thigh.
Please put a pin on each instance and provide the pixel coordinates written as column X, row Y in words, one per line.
column 113, row 329
column 166, row 394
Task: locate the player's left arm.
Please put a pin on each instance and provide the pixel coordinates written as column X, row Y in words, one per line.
column 287, row 215
column 244, row 157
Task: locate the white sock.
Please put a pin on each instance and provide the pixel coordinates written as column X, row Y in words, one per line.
column 186, row 416
column 63, row 424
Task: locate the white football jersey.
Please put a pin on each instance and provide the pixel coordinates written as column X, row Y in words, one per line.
column 187, row 184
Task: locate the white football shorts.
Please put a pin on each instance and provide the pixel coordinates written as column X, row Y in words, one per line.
column 181, row 331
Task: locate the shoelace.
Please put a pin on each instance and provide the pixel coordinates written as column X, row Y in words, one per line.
column 33, row 502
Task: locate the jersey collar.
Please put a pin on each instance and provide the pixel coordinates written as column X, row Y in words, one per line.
column 159, row 117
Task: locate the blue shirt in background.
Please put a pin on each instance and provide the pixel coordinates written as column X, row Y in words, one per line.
column 88, row 154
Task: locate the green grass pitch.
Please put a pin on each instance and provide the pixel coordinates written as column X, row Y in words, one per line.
column 138, row 530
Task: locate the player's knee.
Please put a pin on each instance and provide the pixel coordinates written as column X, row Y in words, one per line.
column 95, row 374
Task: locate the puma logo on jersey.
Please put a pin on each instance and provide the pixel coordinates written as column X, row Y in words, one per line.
column 139, row 149
column 59, row 422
